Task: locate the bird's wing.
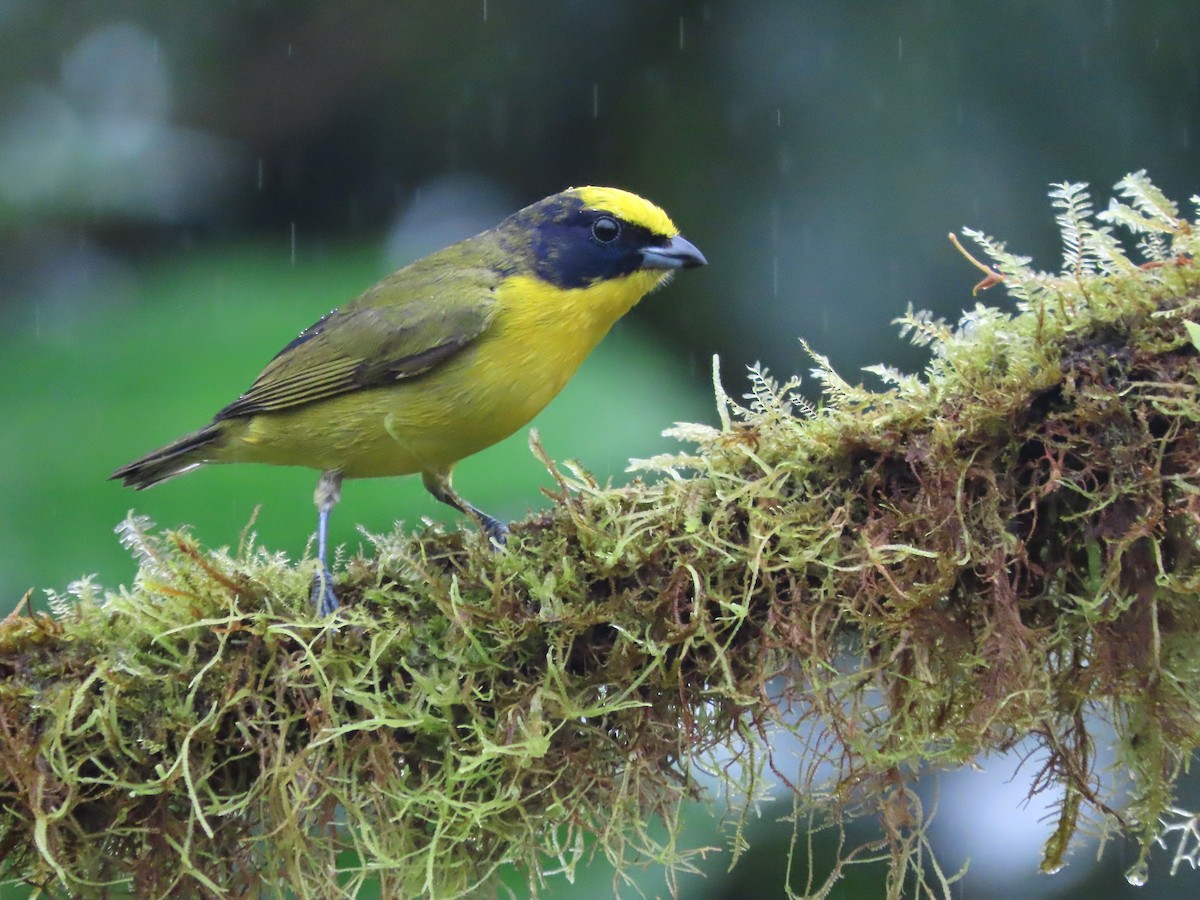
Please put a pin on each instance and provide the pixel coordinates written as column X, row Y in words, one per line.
column 404, row 326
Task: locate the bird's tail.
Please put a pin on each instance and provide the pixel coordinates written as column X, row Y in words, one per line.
column 180, row 456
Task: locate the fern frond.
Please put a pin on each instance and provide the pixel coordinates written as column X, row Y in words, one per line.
column 1154, row 248
column 769, row 397
column 1007, row 263
column 1145, row 197
column 1126, row 216
column 840, row 392
column 1075, row 204
column 1109, row 254
column 903, row 382
column 1014, row 268
column 922, row 329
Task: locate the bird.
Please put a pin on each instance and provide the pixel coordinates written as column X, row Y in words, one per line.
column 442, row 358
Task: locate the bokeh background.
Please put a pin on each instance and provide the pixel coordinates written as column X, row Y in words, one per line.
column 186, row 185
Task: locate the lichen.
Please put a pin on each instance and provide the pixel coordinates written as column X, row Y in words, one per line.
column 1003, row 549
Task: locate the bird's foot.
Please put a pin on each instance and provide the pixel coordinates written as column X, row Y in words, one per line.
column 322, row 595
column 495, row 530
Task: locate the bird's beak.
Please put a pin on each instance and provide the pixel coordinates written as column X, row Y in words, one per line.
column 677, row 253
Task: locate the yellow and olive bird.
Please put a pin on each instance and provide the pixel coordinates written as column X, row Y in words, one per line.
column 443, row 358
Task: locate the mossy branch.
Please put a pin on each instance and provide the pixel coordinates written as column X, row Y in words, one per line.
column 1003, row 549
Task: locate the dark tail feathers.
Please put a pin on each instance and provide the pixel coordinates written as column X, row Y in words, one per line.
column 171, row 460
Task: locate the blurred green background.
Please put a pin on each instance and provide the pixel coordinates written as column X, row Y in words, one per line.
column 184, row 186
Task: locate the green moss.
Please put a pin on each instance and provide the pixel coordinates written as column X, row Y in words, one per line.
column 1003, row 549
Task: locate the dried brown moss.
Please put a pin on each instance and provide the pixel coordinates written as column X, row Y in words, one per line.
column 1002, row 549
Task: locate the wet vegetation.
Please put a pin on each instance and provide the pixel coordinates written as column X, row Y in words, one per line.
column 1000, row 549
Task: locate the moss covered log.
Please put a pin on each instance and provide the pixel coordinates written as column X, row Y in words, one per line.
column 1003, row 548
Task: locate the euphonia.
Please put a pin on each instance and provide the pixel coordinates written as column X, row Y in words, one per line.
column 443, row 358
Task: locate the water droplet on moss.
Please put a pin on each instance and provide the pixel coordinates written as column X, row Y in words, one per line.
column 1138, row 875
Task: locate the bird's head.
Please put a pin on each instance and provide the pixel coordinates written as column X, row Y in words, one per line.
column 587, row 235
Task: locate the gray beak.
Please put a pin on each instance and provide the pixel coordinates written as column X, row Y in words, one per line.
column 677, row 253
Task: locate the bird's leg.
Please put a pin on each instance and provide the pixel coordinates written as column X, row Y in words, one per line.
column 326, row 496
column 438, row 484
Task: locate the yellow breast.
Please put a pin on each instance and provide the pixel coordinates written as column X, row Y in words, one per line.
column 490, row 389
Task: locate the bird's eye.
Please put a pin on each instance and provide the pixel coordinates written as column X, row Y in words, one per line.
column 606, row 229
